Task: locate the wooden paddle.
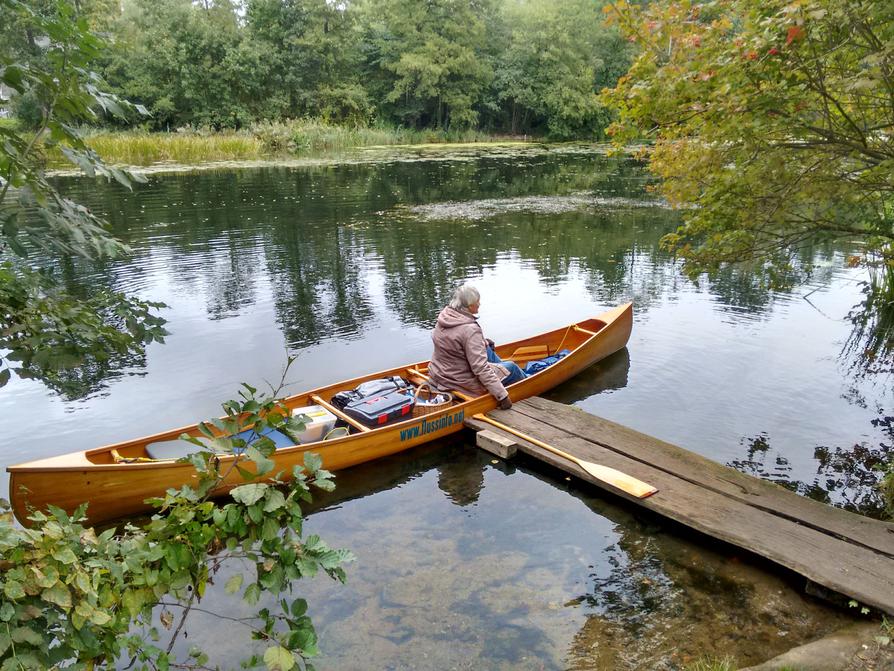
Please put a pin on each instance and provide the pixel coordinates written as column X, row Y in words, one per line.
column 530, row 353
column 615, row 478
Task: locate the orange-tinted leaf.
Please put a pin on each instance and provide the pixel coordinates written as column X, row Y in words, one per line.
column 794, row 33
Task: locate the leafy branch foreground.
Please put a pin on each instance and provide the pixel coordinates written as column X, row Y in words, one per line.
column 78, row 600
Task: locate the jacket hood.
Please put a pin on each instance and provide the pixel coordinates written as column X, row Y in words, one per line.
column 449, row 318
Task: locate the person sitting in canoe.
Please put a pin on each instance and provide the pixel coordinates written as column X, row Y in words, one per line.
column 463, row 360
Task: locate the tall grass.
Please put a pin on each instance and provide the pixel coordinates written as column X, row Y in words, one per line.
column 142, row 148
column 314, row 135
column 262, row 140
column 711, row 664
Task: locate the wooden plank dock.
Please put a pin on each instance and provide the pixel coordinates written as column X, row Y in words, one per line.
column 838, row 550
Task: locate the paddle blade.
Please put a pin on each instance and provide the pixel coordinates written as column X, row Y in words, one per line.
column 529, row 353
column 617, row 479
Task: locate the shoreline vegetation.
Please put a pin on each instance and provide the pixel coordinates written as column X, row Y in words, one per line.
column 266, row 140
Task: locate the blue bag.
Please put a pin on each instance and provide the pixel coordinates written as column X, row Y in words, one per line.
column 538, row 365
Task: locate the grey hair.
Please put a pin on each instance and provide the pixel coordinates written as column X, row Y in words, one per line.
column 464, row 296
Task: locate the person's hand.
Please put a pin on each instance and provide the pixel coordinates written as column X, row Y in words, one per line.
column 505, row 403
column 490, row 343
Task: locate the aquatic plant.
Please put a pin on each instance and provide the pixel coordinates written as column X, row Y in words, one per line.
column 262, row 140
column 144, row 148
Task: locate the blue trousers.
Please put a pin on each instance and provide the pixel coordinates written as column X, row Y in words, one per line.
column 515, row 371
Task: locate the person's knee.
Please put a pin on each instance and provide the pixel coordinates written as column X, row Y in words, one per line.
column 515, row 372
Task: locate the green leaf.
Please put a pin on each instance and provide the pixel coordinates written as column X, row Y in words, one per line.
column 13, row 590
column 234, row 583
column 219, row 516
column 7, row 610
column 325, row 485
column 252, row 594
column 270, row 529
column 82, row 582
column 65, row 555
column 306, row 641
column 100, row 618
column 133, row 601
column 249, row 494
column 264, row 465
column 27, row 635
column 275, row 501
column 256, row 513
column 299, row 607
column 278, row 658
column 314, row 543
column 312, row 461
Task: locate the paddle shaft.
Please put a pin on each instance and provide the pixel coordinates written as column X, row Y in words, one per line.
column 530, row 439
column 620, row 480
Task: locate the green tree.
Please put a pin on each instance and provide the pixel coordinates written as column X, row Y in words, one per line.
column 770, row 121
column 313, row 52
column 182, row 61
column 47, row 332
column 428, row 61
column 557, row 57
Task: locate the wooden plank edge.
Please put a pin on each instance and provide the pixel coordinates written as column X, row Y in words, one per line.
column 847, row 522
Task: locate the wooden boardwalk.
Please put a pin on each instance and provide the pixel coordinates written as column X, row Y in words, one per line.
column 841, row 551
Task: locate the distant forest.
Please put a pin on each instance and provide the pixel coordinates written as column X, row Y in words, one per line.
column 503, row 66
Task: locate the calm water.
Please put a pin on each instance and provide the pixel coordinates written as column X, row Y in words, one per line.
column 464, row 563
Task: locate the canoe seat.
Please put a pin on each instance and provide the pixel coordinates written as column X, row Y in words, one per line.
column 176, row 449
column 173, row 449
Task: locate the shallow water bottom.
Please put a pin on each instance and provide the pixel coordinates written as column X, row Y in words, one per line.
column 465, row 562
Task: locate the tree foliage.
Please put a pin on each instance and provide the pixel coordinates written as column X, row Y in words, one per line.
column 771, row 120
column 72, row 598
column 42, row 327
column 556, row 58
column 514, row 65
column 431, row 57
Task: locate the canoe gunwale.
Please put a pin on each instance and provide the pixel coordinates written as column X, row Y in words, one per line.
column 171, row 434
column 113, row 493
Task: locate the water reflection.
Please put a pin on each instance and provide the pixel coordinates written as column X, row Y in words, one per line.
column 604, row 376
column 845, row 476
column 319, row 236
column 348, row 264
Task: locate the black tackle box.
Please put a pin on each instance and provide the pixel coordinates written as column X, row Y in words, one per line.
column 381, row 408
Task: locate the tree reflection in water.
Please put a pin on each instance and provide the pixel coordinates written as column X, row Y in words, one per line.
column 330, row 248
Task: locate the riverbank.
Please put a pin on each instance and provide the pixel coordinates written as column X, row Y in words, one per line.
column 382, row 154
column 263, row 141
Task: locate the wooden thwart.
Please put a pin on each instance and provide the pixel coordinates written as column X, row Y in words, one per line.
column 338, row 413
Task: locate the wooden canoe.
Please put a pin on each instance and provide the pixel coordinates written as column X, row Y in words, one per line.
column 116, row 486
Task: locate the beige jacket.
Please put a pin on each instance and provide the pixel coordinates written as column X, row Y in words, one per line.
column 460, row 360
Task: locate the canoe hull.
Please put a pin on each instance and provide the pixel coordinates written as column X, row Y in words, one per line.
column 116, row 490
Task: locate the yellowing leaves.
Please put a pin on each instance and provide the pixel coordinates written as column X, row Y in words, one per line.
column 59, row 595
column 278, row 659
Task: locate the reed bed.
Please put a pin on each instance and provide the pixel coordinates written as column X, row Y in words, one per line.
column 143, row 148
column 262, row 140
column 315, row 135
